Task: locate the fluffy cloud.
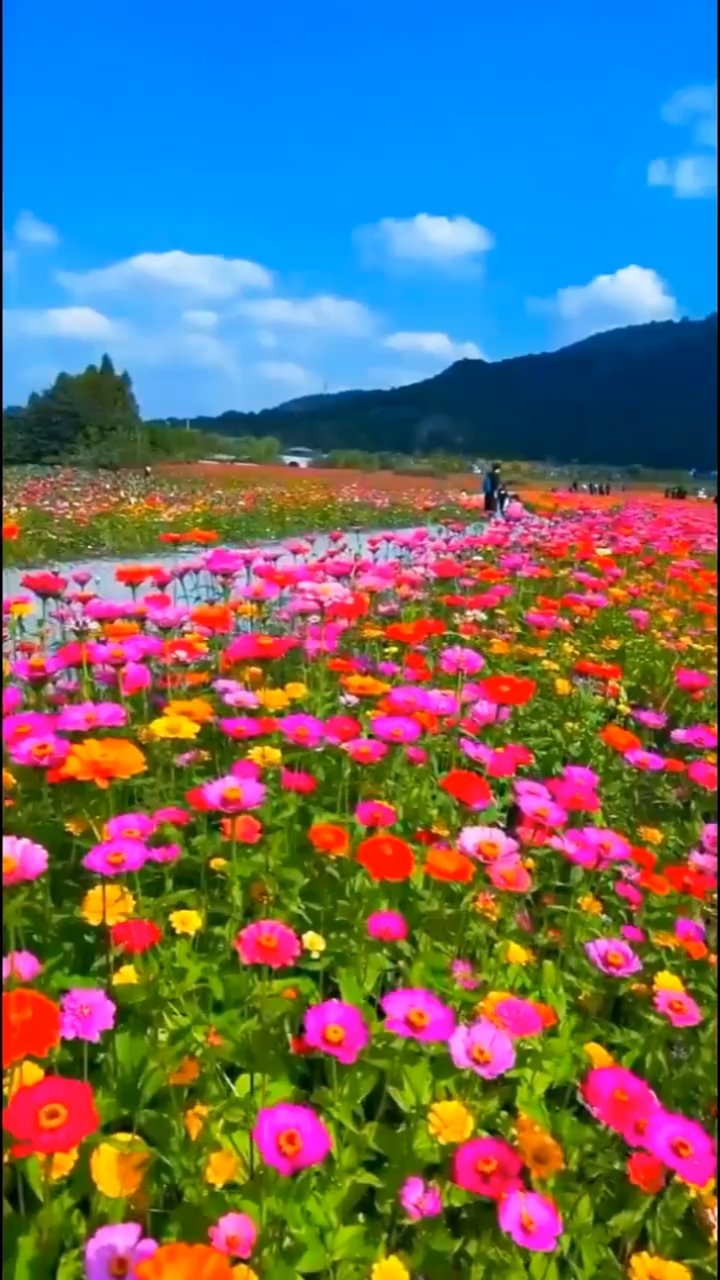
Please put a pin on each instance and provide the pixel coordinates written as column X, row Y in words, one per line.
column 200, row 319
column 79, row 323
column 438, row 345
column 287, row 374
column 195, row 275
column 30, row 230
column 430, row 239
column 692, row 175
column 324, row 312
column 632, row 295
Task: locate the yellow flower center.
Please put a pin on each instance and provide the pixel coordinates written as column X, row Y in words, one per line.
column 486, row 1165
column 267, row 941
column 116, row 859
column 480, row 1055
column 9, row 864
column 418, row 1019
column 334, row 1034
column 615, row 959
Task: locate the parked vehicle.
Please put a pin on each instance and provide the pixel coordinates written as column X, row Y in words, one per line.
column 302, row 458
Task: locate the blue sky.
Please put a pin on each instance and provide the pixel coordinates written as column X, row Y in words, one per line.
column 243, row 203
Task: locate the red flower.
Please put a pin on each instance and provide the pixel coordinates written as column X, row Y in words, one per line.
column 135, row 936
column 52, row 1115
column 512, row 691
column 469, row 788
column 30, row 1025
column 646, row 1172
column 684, row 880
column 386, row 857
column 243, row 828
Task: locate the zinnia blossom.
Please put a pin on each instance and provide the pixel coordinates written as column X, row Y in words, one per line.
column 483, row 1048
column 613, row 956
column 420, row 1199
column 417, row 1014
column 682, row 1145
column 23, row 966
column 679, row 1008
column 116, row 857
column 488, row 1167
column 30, row 1025
column 23, row 860
column 268, row 942
column 386, row 857
column 234, row 1234
column 621, row 1100
column 55, row 1114
column 530, row 1220
column 115, row 1250
column 290, row 1137
column 387, row 926
column 336, row 1028
column 184, row 1262
column 85, row 1013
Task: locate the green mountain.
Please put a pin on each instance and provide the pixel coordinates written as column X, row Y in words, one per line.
column 645, row 394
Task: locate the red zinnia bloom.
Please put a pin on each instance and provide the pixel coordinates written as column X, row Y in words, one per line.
column 30, row 1025
column 684, row 880
column 512, row 691
column 243, row 828
column 135, row 936
column 386, row 857
column 646, row 1172
column 328, row 838
column 53, row 1115
column 469, row 788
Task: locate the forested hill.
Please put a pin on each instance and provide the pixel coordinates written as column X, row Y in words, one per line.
column 645, row 394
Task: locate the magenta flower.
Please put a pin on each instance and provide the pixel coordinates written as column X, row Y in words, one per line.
column 682, row 1145
column 483, row 1048
column 704, row 774
column 85, row 1012
column 417, row 1014
column 545, row 813
column 296, row 780
column 233, row 793
column 234, row 1234
column 399, row 729
column 290, row 1138
column 130, row 826
column 519, row 1017
column 387, row 926
column 45, row 752
column 115, row 1250
column 530, row 1220
column 22, row 860
column 689, row 930
column 115, row 857
column 365, row 750
column 462, row 972
column 336, row 1028
column 487, row 1167
column 459, row 661
column 613, row 956
column 679, row 1008
column 420, row 1199
column 302, row 730
column 691, row 681
column 488, row 844
column 268, row 942
column 23, row 966
column 375, row 813
column 648, row 761
column 86, row 717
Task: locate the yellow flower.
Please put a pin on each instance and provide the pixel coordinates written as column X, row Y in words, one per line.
column 21, row 608
column 563, row 687
column 243, row 1272
column 192, row 708
column 590, row 905
column 450, row 1122
column 646, row 1266
column 390, row 1269
column 117, row 1167
column 651, row 835
column 314, row 943
column 222, row 1167
column 173, row 728
column 187, row 922
column 194, row 1120
column 666, row 981
column 218, row 864
column 107, row 903
column 8, row 780
column 663, row 939
column 126, row 976
column 62, row 1163
column 273, row 699
column 296, row 690
column 518, row 955
column 20, row 1075
column 597, row 1055
column 266, row 757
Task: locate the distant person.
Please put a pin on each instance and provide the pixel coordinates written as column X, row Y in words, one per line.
column 491, row 484
column 503, row 498
column 147, row 472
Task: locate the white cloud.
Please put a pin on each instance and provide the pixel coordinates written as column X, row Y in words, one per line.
column 693, row 174
column 10, row 259
column 80, row 323
column 200, row 319
column 195, row 274
column 324, row 312
column 287, row 373
column 632, row 295
column 30, row 230
column 427, row 238
column 439, row 345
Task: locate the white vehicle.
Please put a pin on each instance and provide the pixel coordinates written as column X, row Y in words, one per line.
column 302, row 458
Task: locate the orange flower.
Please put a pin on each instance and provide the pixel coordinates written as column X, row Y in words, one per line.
column 120, row 628
column 386, row 857
column 196, row 709
column 187, row 1071
column 10, row 531
column 654, row 883
column 214, row 617
column 30, row 1025
column 622, row 740
column 101, row 762
column 329, row 839
column 244, row 828
column 184, row 1262
column 133, row 575
column 364, row 686
column 540, row 1152
column 448, row 864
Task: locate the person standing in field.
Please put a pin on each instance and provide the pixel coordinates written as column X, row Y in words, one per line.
column 491, row 484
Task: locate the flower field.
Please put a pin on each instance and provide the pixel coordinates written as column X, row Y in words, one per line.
column 360, row 909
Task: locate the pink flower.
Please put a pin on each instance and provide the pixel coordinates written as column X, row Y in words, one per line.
column 510, row 874
column 483, row 1048
column 689, row 930
column 387, row 926
column 115, row 857
column 375, row 813
column 420, row 1199
column 573, row 796
column 22, row 860
column 234, row 1234
column 21, row 965
column 530, row 1220
column 85, row 1012
column 130, row 826
column 336, row 1028
column 488, row 844
column 290, row 1138
column 691, row 681
column 613, row 956
column 457, row 660
column 621, row 1100
column 302, row 730
column 632, row 933
column 417, row 1014
column 46, row 752
column 268, row 942
column 462, row 972
column 297, row 781
column 114, row 1251
column 682, row 1145
column 85, row 717
column 365, row 750
column 680, row 1009
column 519, row 1017
column 487, row 1166
column 233, row 793
column 709, row 837
column 648, row 761
column 398, row 729
column 544, row 812
column 704, row 774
